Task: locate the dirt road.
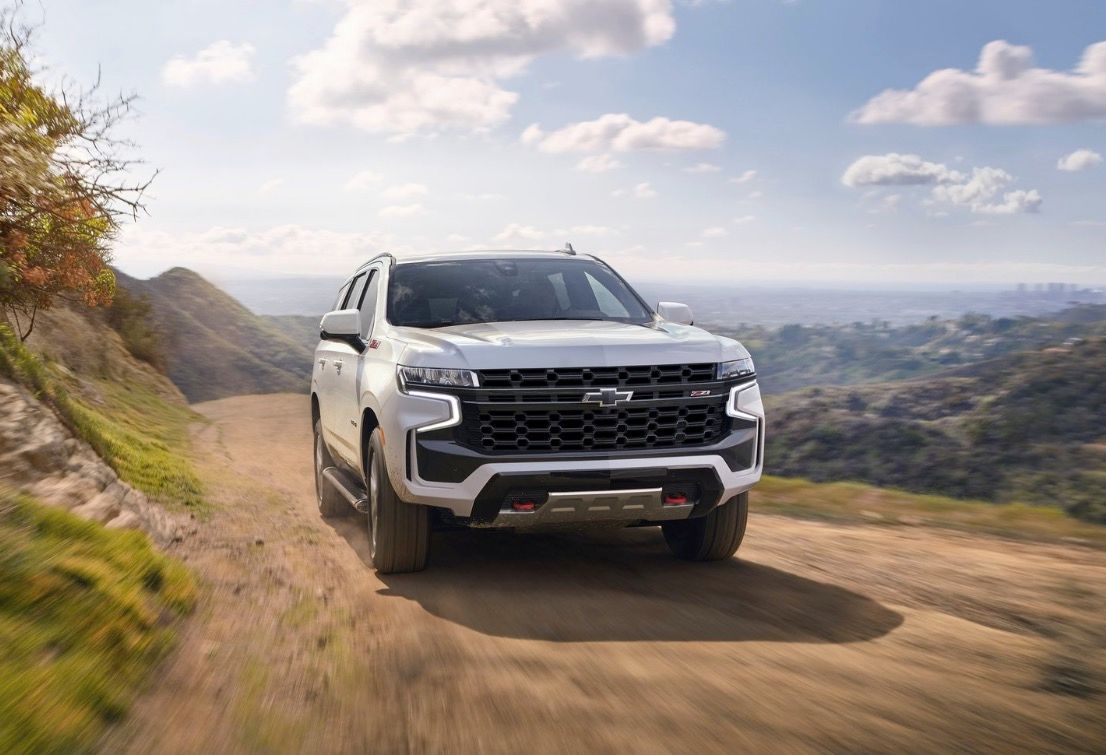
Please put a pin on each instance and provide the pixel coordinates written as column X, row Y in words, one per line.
column 821, row 637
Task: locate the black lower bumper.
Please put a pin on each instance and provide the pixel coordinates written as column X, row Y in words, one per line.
column 441, row 458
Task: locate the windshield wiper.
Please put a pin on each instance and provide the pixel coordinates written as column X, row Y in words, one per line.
column 539, row 319
column 430, row 325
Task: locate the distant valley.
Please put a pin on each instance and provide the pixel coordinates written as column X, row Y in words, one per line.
column 732, row 304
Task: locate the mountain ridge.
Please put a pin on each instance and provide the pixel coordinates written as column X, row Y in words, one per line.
column 214, row 346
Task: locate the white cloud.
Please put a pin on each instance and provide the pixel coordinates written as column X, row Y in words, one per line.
column 744, row 178
column 519, row 231
column 702, row 168
column 756, row 195
column 1080, row 159
column 405, row 191
column 268, row 187
column 619, row 132
column 981, row 192
column 531, row 135
column 555, row 237
column 486, row 196
column 220, row 62
column 714, row 232
column 587, row 230
column 742, row 220
column 643, row 190
column 429, row 65
column 362, row 180
column 1005, row 88
column 598, row 164
column 401, row 210
column 290, row 249
column 894, row 169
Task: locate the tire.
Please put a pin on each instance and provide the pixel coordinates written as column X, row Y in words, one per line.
column 714, row 537
column 399, row 532
column 331, row 503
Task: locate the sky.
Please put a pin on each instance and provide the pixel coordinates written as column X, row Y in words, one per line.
column 731, row 142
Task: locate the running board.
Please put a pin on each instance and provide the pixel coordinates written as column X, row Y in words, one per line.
column 340, row 481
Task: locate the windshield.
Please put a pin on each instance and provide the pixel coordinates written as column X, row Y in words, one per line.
column 453, row 292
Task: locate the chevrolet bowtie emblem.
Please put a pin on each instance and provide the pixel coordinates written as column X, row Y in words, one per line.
column 607, row 397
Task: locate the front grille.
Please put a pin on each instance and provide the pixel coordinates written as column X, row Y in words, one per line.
column 580, row 427
column 587, row 377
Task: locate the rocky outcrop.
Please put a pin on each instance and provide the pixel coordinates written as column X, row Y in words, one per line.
column 40, row 457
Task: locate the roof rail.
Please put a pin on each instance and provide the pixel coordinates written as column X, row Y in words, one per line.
column 382, row 255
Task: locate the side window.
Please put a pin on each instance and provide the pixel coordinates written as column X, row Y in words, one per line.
column 608, row 303
column 355, row 292
column 341, row 297
column 368, row 298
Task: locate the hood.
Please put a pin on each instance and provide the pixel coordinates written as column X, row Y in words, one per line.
column 562, row 343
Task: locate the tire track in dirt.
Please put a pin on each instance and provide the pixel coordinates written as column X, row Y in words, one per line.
column 819, row 637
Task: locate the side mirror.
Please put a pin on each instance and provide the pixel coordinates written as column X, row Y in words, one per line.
column 343, row 325
column 675, row 312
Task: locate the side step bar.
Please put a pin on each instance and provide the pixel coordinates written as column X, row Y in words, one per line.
column 341, row 482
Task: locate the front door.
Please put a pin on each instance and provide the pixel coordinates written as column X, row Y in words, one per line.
column 349, row 372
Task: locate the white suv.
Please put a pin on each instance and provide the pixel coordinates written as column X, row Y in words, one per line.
column 523, row 390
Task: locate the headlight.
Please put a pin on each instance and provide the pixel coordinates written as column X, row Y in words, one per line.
column 439, row 376
column 736, row 369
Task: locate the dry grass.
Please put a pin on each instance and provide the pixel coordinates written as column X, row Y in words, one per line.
column 852, row 501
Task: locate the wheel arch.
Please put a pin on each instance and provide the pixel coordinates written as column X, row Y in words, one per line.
column 369, row 423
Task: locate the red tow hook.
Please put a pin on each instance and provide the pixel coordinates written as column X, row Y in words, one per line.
column 674, row 499
column 524, row 505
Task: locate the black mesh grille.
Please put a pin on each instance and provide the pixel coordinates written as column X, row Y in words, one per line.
column 586, row 377
column 585, row 428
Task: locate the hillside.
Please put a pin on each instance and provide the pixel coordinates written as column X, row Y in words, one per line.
column 215, row 347
column 304, row 329
column 128, row 412
column 1021, row 427
column 800, row 356
column 94, row 444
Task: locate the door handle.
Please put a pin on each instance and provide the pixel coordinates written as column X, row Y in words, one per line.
column 322, row 364
column 338, row 366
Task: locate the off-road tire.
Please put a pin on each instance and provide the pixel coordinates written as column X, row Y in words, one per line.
column 399, row 532
column 331, row 503
column 714, row 537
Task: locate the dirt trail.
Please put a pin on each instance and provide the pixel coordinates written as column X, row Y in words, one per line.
column 821, row 637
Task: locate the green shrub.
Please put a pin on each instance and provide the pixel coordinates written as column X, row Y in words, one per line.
column 85, row 612
column 132, row 318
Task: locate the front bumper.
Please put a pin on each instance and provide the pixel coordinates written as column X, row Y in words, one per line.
column 429, row 468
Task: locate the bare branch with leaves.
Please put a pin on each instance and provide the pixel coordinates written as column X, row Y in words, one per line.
column 67, row 182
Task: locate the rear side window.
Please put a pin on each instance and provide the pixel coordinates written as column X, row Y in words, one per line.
column 355, row 292
column 368, row 299
column 367, row 291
